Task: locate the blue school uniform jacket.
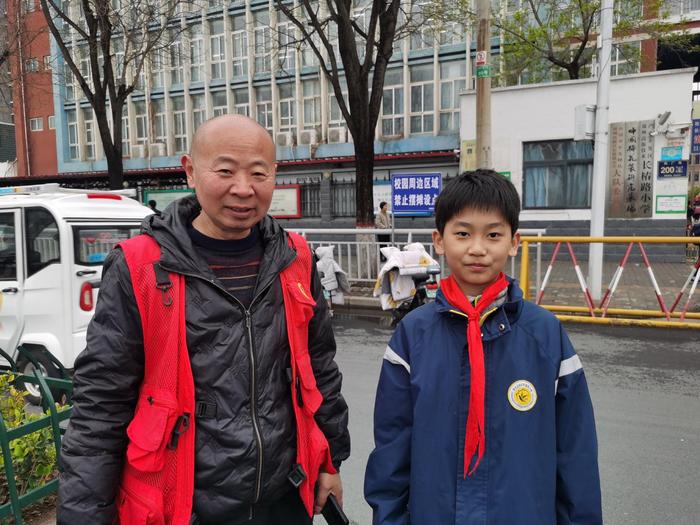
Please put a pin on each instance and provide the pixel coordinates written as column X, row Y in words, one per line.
column 540, row 465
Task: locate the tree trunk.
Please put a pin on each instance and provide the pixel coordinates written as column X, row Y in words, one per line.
column 112, row 146
column 115, row 168
column 364, row 175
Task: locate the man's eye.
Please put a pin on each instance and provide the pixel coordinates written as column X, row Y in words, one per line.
column 224, row 171
column 260, row 174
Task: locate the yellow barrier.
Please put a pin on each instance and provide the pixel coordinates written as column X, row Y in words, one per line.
column 618, row 321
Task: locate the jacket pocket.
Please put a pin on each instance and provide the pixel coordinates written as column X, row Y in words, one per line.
column 304, row 302
column 138, row 509
column 154, row 419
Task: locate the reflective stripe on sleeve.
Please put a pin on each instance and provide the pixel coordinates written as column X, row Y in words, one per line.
column 567, row 367
column 396, row 359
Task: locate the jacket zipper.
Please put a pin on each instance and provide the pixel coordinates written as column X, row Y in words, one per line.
column 253, row 402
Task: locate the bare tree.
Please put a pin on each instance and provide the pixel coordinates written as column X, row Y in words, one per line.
column 105, row 45
column 354, row 42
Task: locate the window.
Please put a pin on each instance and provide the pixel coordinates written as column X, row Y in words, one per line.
column 176, row 62
column 452, row 81
column 36, row 124
column 196, row 54
column 392, row 103
column 557, row 174
column 217, row 49
column 335, row 116
column 159, row 128
column 240, row 47
column 69, row 83
column 241, row 102
column 92, row 244
column 422, row 104
column 179, row 125
column 452, row 33
column 422, row 36
column 29, row 5
column 32, row 65
column 52, row 122
column 157, row 69
column 8, row 247
column 199, row 110
column 126, row 143
column 41, row 238
column 141, row 121
column 288, row 104
column 625, row 58
column 311, row 90
column 308, row 55
column 263, row 106
column 219, row 103
column 263, row 42
column 285, row 39
column 89, row 134
column 72, row 119
column 47, row 62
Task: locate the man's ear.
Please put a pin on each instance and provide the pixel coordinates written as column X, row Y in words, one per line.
column 437, row 243
column 515, row 243
column 188, row 166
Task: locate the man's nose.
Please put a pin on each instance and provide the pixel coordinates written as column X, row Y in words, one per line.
column 241, row 186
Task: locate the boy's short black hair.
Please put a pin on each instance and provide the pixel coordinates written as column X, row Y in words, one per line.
column 482, row 190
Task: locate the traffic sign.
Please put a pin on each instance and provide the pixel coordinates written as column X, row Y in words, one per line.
column 414, row 194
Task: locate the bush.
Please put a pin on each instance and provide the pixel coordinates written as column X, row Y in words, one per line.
column 34, row 455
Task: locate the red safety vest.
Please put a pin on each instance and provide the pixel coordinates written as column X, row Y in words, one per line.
column 158, row 478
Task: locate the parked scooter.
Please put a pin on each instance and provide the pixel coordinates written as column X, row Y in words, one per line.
column 426, row 288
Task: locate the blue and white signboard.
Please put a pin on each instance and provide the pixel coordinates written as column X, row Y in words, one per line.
column 695, row 138
column 414, row 194
column 673, row 168
column 672, row 153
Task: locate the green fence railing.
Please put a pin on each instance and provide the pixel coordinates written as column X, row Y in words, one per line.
column 52, row 419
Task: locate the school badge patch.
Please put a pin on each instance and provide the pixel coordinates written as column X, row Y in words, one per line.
column 522, row 395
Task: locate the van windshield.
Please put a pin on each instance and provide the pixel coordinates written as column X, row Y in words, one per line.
column 93, row 243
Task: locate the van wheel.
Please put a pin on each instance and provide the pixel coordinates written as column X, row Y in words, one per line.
column 47, row 368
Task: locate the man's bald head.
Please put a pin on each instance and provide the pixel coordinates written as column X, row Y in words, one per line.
column 230, row 127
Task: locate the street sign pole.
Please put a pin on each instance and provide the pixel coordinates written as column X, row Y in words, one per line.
column 600, row 155
column 483, row 85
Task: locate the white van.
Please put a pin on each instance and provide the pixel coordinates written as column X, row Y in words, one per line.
column 53, row 242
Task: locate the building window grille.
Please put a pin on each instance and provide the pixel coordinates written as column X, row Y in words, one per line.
column 335, row 116
column 311, row 199
column 219, row 103
column 52, row 122
column 159, row 127
column 452, row 81
column 32, row 65
column 176, row 62
column 126, row 144
column 196, row 53
column 141, row 121
column 285, row 39
column 557, row 174
column 312, row 104
column 392, row 103
column 69, row 83
column 241, row 102
column 422, row 99
column 157, row 72
column 342, row 199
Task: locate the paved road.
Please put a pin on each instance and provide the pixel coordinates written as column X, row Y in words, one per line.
column 644, row 385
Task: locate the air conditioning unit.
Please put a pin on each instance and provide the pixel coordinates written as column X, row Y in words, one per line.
column 138, row 151
column 157, row 149
column 308, row 136
column 284, row 139
column 337, row 135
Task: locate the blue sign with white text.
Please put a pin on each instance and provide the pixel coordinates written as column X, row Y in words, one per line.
column 415, row 193
column 673, row 168
column 695, row 138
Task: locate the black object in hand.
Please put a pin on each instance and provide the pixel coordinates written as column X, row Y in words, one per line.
column 333, row 512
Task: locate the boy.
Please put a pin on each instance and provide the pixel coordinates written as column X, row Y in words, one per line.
column 482, row 412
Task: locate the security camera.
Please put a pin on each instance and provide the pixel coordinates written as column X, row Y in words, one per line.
column 663, row 117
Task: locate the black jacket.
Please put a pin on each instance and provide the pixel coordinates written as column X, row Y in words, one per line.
column 234, row 469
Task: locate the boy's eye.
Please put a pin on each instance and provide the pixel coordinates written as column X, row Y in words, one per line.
column 494, row 235
column 462, row 234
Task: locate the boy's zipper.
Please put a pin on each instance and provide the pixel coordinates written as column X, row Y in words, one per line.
column 253, row 400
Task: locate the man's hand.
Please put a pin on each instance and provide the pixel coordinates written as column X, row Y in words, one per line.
column 327, row 484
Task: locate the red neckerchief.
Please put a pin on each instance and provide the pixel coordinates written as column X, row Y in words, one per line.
column 475, row 434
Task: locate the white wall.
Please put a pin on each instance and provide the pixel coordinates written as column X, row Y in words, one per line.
column 546, row 112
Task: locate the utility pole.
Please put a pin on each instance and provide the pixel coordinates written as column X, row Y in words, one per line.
column 483, row 84
column 600, row 155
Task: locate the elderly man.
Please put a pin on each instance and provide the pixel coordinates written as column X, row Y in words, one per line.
column 208, row 391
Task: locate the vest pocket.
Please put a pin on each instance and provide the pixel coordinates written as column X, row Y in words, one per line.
column 303, row 302
column 137, row 508
column 154, row 419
